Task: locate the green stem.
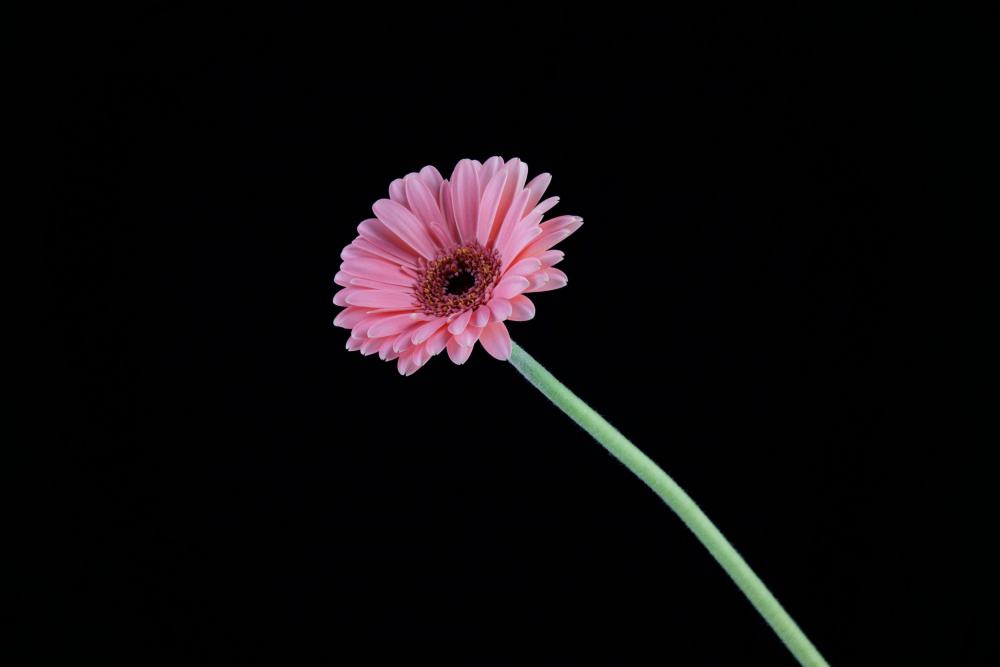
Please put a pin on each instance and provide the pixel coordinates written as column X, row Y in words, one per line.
column 679, row 502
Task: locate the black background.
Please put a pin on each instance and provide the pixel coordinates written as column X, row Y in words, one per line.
column 751, row 300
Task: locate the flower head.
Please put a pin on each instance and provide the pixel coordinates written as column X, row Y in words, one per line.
column 445, row 262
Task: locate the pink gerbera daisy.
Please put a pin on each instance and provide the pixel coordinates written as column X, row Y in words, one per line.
column 444, row 263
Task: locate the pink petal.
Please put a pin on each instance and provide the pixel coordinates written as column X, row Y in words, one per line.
column 481, row 317
column 380, row 236
column 343, row 278
column 350, row 316
column 572, row 222
column 556, row 279
column 448, row 208
column 469, row 336
column 544, row 207
column 340, row 298
column 355, row 344
column 390, row 325
column 508, row 287
column 403, row 341
column 369, row 247
column 536, row 281
column 385, row 351
column 522, row 309
column 525, row 267
column 551, row 258
column 432, row 179
column 496, row 340
column 420, row 355
column 529, row 221
column 407, row 365
column 376, row 269
column 458, row 324
column 405, row 338
column 515, row 186
column 488, row 170
column 458, row 353
column 377, row 299
column 465, row 198
column 385, row 287
column 351, row 251
column 509, row 225
column 488, row 207
column 360, row 330
column 526, row 230
column 500, row 309
column 397, row 191
column 441, row 234
column 438, row 340
column 422, row 202
column 405, row 225
column 535, row 247
column 398, row 311
column 538, row 185
column 368, row 345
column 427, row 329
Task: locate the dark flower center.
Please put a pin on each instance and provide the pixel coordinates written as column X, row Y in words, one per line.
column 459, row 283
column 459, row 278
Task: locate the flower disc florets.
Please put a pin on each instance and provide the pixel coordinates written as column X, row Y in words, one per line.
column 459, row 278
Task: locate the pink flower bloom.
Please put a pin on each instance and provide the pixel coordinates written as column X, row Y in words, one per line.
column 444, row 263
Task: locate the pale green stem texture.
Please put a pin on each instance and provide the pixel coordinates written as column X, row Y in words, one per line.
column 679, row 502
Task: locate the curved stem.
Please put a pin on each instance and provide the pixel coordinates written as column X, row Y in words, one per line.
column 679, row 502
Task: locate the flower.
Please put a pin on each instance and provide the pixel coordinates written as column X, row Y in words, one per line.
column 444, row 263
